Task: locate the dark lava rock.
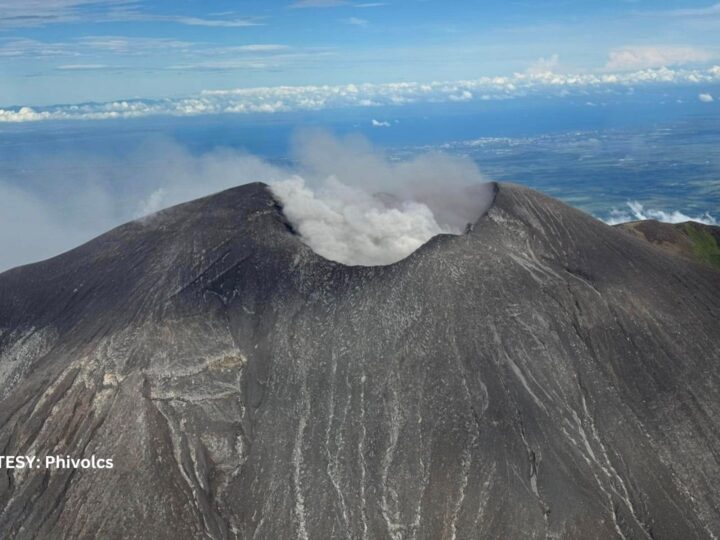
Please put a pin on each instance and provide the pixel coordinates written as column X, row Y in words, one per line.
column 543, row 376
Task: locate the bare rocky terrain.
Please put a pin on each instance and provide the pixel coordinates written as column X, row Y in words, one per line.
column 542, row 376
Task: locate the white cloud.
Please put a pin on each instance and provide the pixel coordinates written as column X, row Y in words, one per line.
column 222, row 65
column 634, row 58
column 27, row 48
column 82, row 67
column 88, row 46
column 196, row 54
column 318, row 4
column 544, row 65
column 197, row 21
column 35, row 13
column 250, row 58
column 127, row 45
column 706, row 98
column 356, row 21
column 303, row 4
column 696, row 12
column 380, row 123
column 259, row 47
column 637, row 212
column 32, row 13
column 308, row 98
column 462, row 96
column 218, row 22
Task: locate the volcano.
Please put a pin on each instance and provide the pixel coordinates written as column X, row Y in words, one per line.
column 543, row 375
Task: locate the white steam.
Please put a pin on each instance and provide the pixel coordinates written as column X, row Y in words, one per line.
column 637, row 212
column 352, row 204
column 348, row 201
column 348, row 225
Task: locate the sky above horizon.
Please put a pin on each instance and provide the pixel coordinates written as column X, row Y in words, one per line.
column 78, row 51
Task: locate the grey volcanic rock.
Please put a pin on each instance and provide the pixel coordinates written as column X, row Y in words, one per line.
column 542, row 376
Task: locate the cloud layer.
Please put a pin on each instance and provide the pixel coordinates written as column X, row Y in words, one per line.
column 304, row 98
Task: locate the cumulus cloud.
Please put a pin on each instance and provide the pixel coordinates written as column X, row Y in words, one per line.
column 268, row 100
column 637, row 212
column 379, row 210
column 380, row 123
column 297, row 98
column 545, row 65
column 633, row 58
column 706, row 98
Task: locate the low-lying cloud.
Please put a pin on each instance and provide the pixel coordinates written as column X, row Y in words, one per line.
column 636, row 211
column 539, row 80
column 346, row 198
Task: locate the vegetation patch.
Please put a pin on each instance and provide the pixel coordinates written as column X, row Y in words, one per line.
column 705, row 246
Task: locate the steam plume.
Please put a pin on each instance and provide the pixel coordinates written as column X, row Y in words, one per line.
column 350, row 202
column 354, row 205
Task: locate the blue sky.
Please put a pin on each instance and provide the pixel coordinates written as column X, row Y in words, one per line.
column 75, row 51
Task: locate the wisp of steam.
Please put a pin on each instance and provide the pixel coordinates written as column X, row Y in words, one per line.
column 360, row 208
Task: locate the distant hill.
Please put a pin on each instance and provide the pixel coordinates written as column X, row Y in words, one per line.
column 690, row 240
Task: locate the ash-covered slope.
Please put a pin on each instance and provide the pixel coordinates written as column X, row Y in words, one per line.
column 544, row 375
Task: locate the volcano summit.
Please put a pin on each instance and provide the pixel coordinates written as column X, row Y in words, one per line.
column 542, row 376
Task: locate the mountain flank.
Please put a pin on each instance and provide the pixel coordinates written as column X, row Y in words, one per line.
column 542, row 376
